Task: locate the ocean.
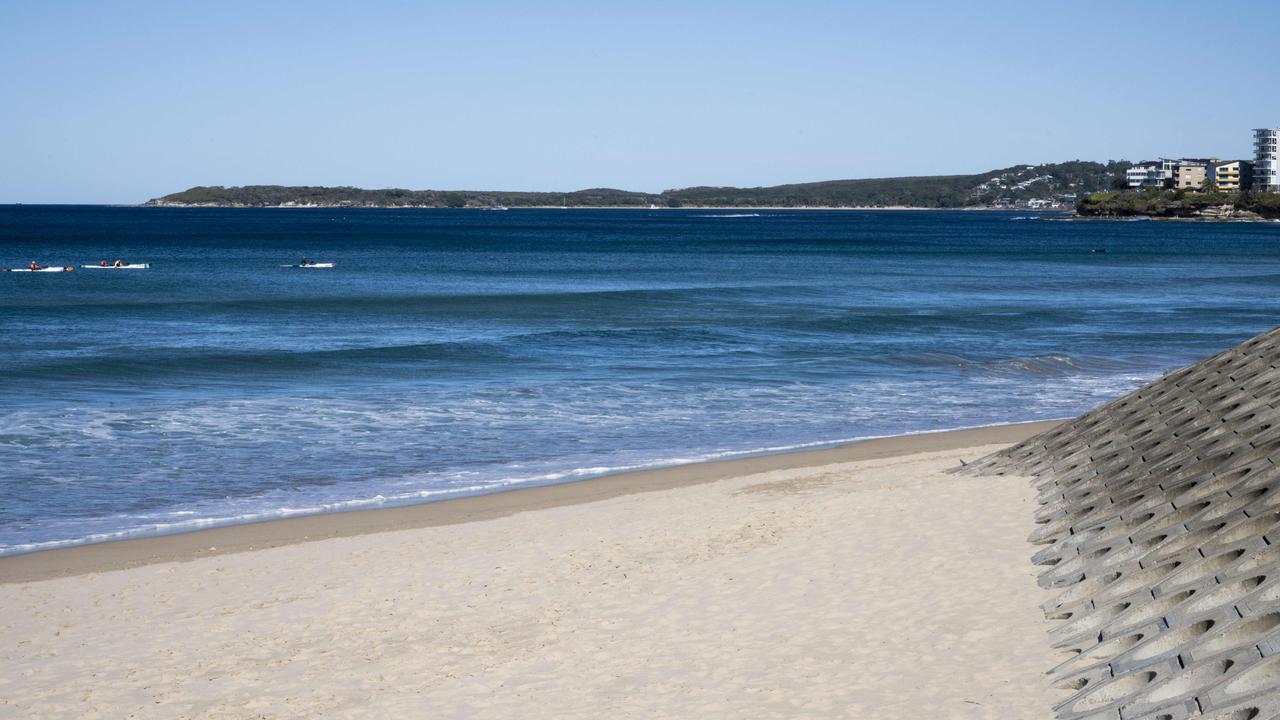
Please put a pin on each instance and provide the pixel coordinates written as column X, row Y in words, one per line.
column 455, row 352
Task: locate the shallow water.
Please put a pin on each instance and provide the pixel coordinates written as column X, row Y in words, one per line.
column 458, row 351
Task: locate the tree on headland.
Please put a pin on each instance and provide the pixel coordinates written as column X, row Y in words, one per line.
column 1177, row 203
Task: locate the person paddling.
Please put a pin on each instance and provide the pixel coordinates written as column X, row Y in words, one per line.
column 119, row 262
column 35, row 266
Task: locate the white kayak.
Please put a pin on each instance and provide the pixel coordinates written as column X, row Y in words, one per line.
column 134, row 266
column 56, row 268
column 311, row 265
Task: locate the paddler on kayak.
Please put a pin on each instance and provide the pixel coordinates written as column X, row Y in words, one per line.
column 305, row 262
column 119, row 263
column 35, row 266
column 102, row 263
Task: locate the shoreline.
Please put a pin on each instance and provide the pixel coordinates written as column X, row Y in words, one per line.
column 1066, row 213
column 230, row 539
column 860, row 208
column 1161, row 218
column 865, row 582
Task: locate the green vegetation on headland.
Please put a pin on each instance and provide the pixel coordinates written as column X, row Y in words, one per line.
column 306, row 196
column 1010, row 185
column 1184, row 204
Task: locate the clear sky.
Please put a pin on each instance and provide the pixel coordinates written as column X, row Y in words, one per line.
column 124, row 101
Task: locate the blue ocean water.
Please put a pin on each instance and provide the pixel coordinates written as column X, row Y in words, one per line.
column 462, row 351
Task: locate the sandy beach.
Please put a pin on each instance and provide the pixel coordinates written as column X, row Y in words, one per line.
column 860, row 582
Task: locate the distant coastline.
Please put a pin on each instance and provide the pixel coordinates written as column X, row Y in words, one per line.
column 1023, row 187
column 725, row 208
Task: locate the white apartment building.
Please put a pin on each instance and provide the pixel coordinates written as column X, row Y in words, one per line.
column 1148, row 174
column 1266, row 166
column 1152, row 173
column 1138, row 175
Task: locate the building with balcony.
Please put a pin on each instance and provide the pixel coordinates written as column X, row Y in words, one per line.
column 1266, row 164
column 1137, row 176
column 1231, row 175
column 1164, row 173
column 1150, row 174
column 1191, row 174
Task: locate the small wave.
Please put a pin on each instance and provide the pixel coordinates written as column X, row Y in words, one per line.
column 1053, row 364
column 450, row 305
column 182, row 521
column 221, row 363
column 1035, row 365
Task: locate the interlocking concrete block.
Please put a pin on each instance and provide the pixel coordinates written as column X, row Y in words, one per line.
column 1238, row 640
column 1254, row 686
column 1213, row 618
column 1143, row 611
column 1109, row 695
column 1159, row 526
column 1091, row 676
column 1177, row 694
column 1180, row 709
column 1162, row 647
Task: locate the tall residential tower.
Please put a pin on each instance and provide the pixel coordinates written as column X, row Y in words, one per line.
column 1266, row 168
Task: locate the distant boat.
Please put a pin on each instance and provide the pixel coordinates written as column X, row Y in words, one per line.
column 131, row 266
column 1098, row 250
column 311, row 265
column 496, row 207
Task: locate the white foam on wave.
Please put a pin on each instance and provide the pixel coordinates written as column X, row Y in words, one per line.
column 613, row 429
column 420, row 496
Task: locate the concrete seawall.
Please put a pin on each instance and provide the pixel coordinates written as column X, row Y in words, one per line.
column 1158, row 522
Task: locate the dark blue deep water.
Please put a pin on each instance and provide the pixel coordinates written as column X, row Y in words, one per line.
column 462, row 351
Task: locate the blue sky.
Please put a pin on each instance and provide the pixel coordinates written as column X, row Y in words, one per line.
column 124, row 101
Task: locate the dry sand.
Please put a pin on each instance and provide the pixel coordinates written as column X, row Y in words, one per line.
column 862, row 585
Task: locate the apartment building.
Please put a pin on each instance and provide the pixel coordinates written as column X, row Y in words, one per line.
column 1191, row 174
column 1266, row 164
column 1151, row 174
column 1138, row 176
column 1231, row 175
column 1262, row 175
column 1184, row 173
